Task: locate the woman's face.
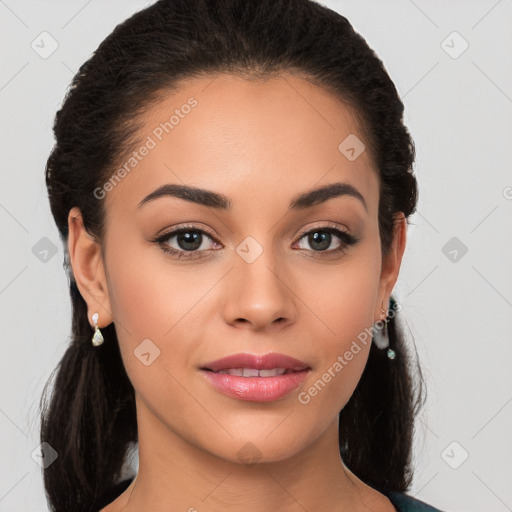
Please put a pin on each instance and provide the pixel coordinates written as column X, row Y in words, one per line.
column 251, row 274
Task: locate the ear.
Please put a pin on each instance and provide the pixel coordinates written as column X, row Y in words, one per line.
column 391, row 264
column 88, row 269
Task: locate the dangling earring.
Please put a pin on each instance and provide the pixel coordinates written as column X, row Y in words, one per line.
column 97, row 338
column 381, row 338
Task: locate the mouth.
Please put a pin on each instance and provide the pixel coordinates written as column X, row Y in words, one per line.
column 257, row 378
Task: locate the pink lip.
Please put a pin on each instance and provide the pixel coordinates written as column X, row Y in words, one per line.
column 258, row 361
column 256, row 389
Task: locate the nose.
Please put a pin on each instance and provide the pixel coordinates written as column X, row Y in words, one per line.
column 259, row 294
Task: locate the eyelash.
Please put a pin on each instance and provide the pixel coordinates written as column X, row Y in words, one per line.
column 346, row 240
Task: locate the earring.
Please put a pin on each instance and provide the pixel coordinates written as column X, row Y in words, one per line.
column 97, row 338
column 381, row 338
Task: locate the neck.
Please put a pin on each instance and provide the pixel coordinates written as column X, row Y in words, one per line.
column 173, row 471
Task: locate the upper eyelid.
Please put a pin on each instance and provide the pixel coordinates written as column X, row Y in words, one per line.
column 327, row 225
column 179, row 229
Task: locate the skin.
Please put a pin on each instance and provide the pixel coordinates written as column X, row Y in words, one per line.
column 259, row 143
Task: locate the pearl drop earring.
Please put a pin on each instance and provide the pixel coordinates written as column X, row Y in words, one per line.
column 381, row 338
column 97, row 338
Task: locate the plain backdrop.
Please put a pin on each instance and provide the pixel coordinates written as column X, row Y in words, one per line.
column 451, row 63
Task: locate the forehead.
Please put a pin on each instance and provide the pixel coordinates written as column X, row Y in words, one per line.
column 234, row 135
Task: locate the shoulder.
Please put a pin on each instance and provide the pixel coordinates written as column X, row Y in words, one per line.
column 405, row 503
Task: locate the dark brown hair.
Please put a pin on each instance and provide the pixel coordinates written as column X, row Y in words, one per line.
column 90, row 418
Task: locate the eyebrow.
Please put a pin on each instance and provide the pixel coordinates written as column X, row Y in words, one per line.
column 221, row 202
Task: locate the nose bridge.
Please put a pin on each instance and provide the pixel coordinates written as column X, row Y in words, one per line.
column 258, row 293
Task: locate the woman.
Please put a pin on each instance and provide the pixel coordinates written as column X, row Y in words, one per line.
column 232, row 182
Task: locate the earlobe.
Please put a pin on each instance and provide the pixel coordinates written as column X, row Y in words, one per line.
column 88, row 269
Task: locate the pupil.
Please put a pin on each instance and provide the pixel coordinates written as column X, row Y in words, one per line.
column 324, row 240
column 186, row 238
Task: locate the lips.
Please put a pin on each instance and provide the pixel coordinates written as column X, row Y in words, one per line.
column 256, row 365
column 256, row 378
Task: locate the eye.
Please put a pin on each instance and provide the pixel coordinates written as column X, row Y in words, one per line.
column 188, row 239
column 321, row 239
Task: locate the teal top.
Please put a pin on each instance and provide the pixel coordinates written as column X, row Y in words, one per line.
column 405, row 503
column 401, row 501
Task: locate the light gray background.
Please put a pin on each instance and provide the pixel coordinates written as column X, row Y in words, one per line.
column 459, row 111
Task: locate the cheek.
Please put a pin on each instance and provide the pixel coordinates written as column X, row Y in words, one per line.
column 150, row 309
column 342, row 299
column 153, row 299
column 149, row 295
column 341, row 360
column 343, row 310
